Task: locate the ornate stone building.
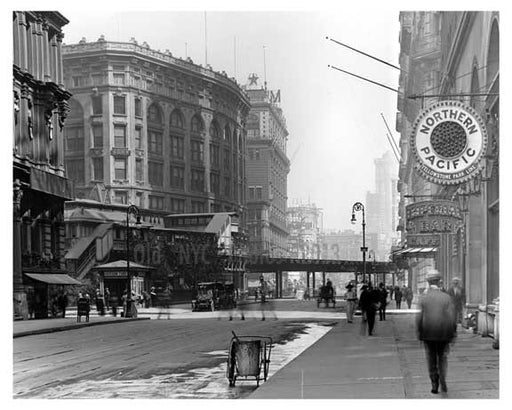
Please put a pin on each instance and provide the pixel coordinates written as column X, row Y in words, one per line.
column 40, row 186
column 267, row 172
column 153, row 130
column 455, row 56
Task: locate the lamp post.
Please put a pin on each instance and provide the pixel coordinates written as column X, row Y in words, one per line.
column 358, row 206
column 132, row 209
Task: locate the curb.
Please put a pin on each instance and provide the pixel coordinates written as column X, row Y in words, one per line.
column 74, row 326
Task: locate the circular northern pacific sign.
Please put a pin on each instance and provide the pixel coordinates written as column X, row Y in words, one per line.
column 449, row 140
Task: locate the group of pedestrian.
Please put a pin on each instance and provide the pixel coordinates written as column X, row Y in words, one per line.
column 400, row 294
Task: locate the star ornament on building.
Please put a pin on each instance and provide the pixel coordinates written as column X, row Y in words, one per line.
column 449, row 140
column 253, row 79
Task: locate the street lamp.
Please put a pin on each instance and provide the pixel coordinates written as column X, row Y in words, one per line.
column 132, row 209
column 358, row 206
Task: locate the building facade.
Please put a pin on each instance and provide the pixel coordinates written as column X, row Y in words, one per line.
column 304, row 221
column 39, row 181
column 267, row 172
column 455, row 56
column 381, row 208
column 153, row 130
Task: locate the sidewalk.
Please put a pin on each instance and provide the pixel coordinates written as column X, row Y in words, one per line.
column 38, row 326
column 390, row 365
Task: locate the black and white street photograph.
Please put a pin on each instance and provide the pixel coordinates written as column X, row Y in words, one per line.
column 238, row 202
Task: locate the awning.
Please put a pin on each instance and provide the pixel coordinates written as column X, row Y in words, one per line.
column 54, row 278
column 417, row 251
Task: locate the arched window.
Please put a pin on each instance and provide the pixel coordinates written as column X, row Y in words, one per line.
column 227, row 134
column 214, row 130
column 493, row 53
column 154, row 114
column 177, row 119
column 196, row 124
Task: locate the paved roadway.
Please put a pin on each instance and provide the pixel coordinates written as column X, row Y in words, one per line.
column 97, row 361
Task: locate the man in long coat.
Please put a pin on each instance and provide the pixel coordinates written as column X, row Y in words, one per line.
column 436, row 326
column 458, row 297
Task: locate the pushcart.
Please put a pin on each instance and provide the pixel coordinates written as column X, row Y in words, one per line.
column 248, row 356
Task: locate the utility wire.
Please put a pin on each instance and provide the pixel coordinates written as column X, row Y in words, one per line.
column 394, row 144
column 363, row 78
column 363, row 53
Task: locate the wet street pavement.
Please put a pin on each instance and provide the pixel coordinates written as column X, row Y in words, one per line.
column 149, row 359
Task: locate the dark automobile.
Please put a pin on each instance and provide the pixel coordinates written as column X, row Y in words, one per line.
column 213, row 296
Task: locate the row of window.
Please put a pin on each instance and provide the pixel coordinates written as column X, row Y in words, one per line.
column 177, row 205
column 155, row 116
column 75, row 171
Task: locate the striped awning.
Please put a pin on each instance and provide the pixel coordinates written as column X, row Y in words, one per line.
column 416, row 251
column 54, row 278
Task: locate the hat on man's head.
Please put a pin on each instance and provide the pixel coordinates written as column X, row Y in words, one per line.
column 455, row 279
column 433, row 275
column 349, row 286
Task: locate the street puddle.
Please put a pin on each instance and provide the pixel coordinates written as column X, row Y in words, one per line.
column 200, row 383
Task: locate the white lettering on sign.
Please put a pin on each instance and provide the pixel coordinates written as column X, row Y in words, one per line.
column 449, row 141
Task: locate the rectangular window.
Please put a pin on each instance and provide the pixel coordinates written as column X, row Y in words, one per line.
column 155, row 173
column 119, row 104
column 178, row 206
column 178, row 177
column 97, row 132
column 214, row 155
column 259, row 192
column 97, row 79
column 97, row 105
column 118, row 79
column 139, row 200
column 121, row 197
column 135, row 81
column 75, row 170
column 257, row 155
column 251, row 154
column 197, row 207
column 251, row 192
column 215, row 183
column 97, row 169
column 139, row 169
column 155, row 142
column 74, row 139
column 119, row 136
column 197, row 151
column 156, row 202
column 226, row 160
column 138, row 137
column 138, row 107
column 120, row 169
column 177, row 147
column 227, row 186
column 77, row 81
column 197, row 180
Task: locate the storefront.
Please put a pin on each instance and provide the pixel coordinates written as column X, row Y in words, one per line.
column 114, row 277
column 43, row 289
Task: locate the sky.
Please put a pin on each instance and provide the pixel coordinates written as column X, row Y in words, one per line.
column 334, row 122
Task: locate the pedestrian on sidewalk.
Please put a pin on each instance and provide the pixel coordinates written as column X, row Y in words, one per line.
column 383, row 298
column 351, row 298
column 458, row 296
column 368, row 303
column 409, row 296
column 107, row 298
column 398, row 297
column 436, row 324
column 114, row 303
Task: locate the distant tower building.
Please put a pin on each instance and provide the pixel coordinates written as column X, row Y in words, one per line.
column 381, row 208
column 267, row 171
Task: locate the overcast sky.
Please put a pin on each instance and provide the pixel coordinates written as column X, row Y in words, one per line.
column 334, row 120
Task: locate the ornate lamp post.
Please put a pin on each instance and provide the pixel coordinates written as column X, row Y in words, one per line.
column 132, row 209
column 358, row 206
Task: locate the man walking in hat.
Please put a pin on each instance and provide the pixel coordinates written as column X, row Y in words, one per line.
column 436, row 326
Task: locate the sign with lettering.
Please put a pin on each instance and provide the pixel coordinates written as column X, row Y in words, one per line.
column 449, row 140
column 432, row 217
